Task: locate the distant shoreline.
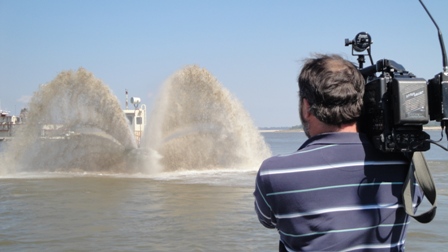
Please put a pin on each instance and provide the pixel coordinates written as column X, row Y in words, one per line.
column 279, row 130
column 301, row 130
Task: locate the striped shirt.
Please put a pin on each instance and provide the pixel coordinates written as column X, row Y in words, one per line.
column 336, row 193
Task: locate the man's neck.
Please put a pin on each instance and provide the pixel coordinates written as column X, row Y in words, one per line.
column 319, row 128
column 348, row 128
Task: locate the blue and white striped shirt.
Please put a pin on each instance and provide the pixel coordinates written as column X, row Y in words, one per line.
column 336, row 193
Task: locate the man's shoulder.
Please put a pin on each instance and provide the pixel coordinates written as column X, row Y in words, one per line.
column 304, row 157
column 330, row 148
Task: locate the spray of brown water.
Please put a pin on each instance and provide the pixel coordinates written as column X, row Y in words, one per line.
column 74, row 124
column 198, row 124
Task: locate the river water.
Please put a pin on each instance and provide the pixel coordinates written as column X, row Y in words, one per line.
column 206, row 210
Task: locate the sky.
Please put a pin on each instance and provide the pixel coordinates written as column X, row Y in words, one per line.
column 254, row 48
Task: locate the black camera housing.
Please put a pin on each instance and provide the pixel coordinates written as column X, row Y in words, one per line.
column 395, row 108
column 397, row 103
column 438, row 93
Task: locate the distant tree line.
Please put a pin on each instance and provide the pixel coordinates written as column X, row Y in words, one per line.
column 297, row 127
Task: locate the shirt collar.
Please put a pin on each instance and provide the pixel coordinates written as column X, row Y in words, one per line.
column 336, row 138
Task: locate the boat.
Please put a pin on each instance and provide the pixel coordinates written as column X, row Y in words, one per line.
column 136, row 117
column 9, row 124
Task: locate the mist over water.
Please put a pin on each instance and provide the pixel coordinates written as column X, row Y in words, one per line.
column 75, row 124
column 197, row 124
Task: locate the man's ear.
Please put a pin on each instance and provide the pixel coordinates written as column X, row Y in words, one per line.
column 305, row 109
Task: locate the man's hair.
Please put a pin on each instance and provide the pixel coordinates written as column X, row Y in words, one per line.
column 333, row 87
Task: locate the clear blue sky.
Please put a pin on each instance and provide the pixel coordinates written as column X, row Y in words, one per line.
column 254, row 48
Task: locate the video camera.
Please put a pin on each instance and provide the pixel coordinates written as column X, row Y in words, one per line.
column 397, row 103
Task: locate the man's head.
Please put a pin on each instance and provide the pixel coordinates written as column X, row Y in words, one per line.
column 333, row 89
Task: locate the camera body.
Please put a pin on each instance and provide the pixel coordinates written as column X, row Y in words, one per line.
column 395, row 109
column 397, row 103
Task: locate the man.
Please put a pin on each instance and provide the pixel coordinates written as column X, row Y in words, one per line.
column 337, row 192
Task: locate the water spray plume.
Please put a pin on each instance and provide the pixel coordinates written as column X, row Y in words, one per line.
column 74, row 123
column 197, row 124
